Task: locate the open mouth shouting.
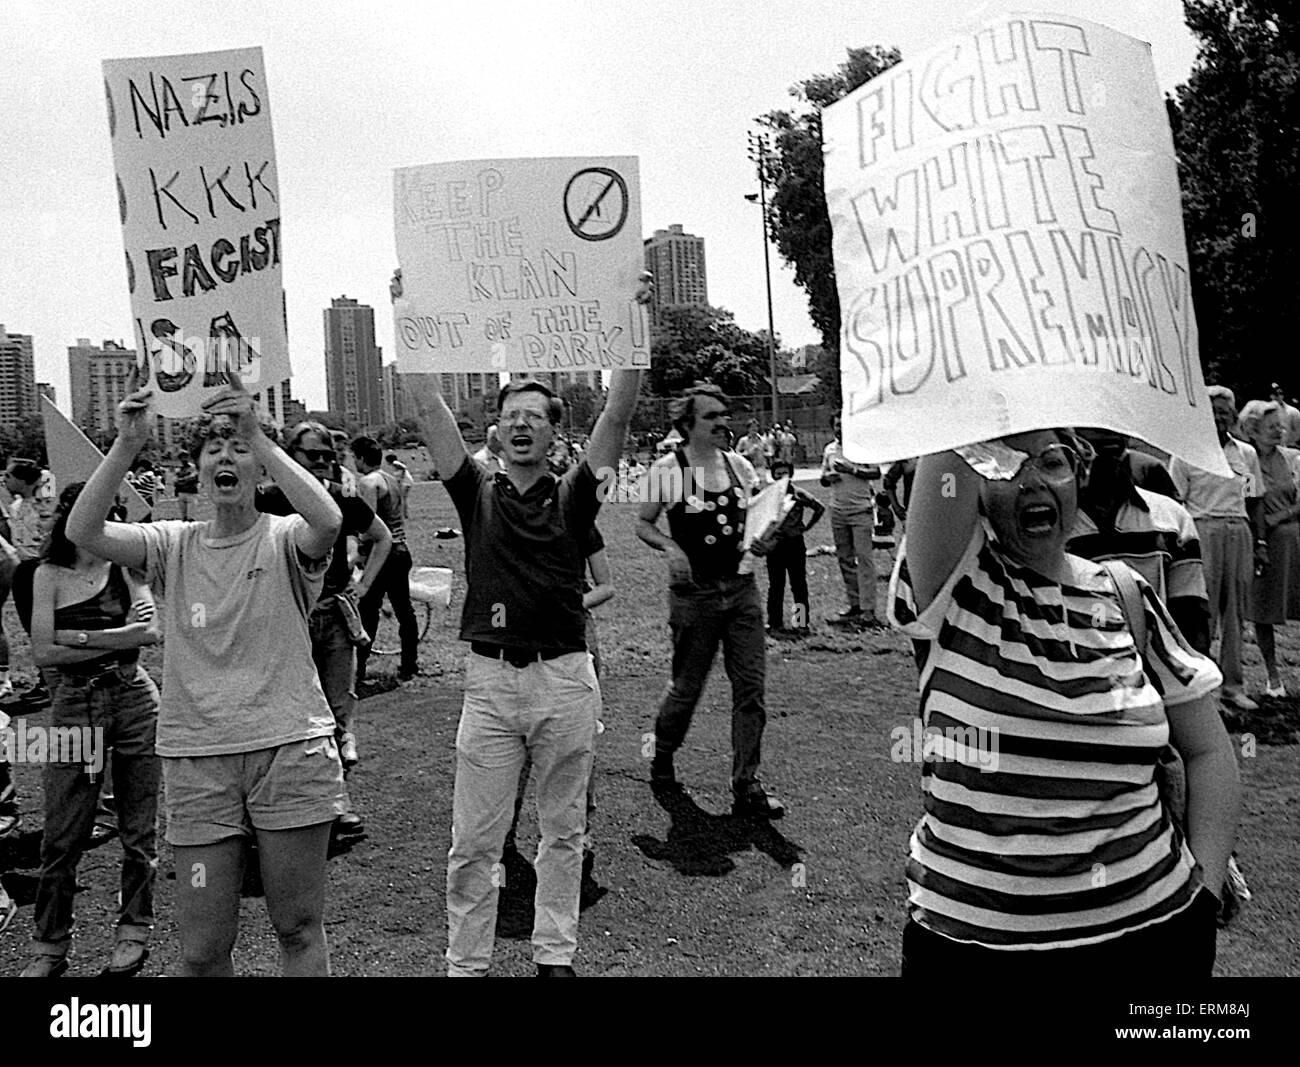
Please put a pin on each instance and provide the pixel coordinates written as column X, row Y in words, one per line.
column 1038, row 519
column 225, row 480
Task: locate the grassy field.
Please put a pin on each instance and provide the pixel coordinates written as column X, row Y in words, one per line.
column 688, row 890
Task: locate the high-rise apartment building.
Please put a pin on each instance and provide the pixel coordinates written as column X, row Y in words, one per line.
column 354, row 383
column 98, row 376
column 280, row 406
column 676, row 259
column 18, row 397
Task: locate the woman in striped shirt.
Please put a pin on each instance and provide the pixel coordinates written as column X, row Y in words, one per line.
column 1057, row 856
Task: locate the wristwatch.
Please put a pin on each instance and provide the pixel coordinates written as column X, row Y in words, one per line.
column 83, row 638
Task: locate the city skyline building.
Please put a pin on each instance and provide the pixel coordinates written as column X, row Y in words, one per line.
column 676, row 259
column 354, row 384
column 18, row 397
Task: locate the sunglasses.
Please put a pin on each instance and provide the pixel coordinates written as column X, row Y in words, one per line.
column 319, row 455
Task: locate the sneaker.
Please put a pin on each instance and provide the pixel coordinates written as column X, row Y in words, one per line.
column 348, row 751
column 37, row 698
column 847, row 617
column 1239, row 701
column 753, row 799
column 407, row 673
column 556, row 970
column 1276, row 692
column 9, row 822
column 350, row 824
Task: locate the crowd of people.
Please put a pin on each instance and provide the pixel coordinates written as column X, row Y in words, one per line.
column 1064, row 593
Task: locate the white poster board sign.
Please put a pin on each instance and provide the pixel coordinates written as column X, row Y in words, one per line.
column 199, row 200
column 1009, row 247
column 520, row 265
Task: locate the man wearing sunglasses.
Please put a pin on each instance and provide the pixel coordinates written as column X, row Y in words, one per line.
column 309, row 445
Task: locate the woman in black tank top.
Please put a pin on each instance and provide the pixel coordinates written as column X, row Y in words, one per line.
column 89, row 621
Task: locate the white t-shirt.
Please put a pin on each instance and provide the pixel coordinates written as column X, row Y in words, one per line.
column 238, row 674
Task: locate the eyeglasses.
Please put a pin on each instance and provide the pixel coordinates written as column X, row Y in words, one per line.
column 530, row 418
column 1055, row 463
column 319, row 455
column 721, row 413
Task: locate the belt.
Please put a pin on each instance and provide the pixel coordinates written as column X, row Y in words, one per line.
column 517, row 657
column 121, row 672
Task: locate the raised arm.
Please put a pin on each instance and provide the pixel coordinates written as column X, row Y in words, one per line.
column 610, row 434
column 306, row 495
column 88, row 526
column 438, row 429
column 941, row 517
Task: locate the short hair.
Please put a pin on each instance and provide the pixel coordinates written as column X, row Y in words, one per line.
column 390, row 457
column 293, row 437
column 1254, row 413
column 24, row 469
column 367, row 450
column 682, row 409
column 208, row 427
column 554, row 405
column 1217, row 392
column 783, row 464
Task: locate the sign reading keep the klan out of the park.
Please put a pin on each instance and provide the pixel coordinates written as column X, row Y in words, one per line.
column 200, row 206
column 520, row 265
column 1009, row 246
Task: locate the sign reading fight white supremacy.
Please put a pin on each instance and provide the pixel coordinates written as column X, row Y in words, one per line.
column 200, row 208
column 520, row 265
column 1009, row 247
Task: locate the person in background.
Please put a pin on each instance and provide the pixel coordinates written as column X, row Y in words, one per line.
column 787, row 554
column 712, row 596
column 384, row 495
column 404, row 478
column 1152, row 533
column 145, row 482
column 753, row 448
column 308, row 444
column 1289, row 416
column 1147, row 472
column 1003, row 866
column 187, row 487
column 1275, row 593
column 89, row 620
column 244, row 731
column 28, row 517
column 489, row 456
column 853, row 525
column 1229, row 516
column 897, row 485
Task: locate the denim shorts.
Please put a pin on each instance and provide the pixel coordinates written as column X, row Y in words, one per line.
column 211, row 798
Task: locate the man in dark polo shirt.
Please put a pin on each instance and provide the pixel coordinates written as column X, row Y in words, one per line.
column 529, row 683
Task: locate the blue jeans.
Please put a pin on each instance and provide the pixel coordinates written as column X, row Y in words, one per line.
column 124, row 705
column 547, row 710
column 702, row 616
column 336, row 662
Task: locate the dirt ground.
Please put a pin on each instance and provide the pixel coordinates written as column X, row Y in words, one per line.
column 685, row 891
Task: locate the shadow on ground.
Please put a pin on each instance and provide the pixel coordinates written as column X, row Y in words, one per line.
column 701, row 844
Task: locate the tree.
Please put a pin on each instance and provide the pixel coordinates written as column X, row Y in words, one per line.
column 1236, row 129
column 797, row 216
column 693, row 343
column 580, row 401
column 26, row 438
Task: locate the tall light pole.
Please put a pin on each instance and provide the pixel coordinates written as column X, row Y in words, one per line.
column 758, row 149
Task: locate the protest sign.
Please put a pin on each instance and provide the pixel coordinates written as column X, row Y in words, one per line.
column 519, row 265
column 74, row 457
column 199, row 200
column 1009, row 247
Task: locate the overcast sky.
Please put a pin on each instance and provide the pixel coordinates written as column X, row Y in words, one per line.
column 359, row 88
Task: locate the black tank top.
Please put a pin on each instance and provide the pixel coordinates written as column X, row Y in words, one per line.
column 106, row 610
column 708, row 526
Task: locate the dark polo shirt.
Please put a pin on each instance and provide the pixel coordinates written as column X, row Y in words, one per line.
column 525, row 557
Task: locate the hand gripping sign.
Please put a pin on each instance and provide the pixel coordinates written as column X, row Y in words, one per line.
column 519, row 265
column 200, row 207
column 1009, row 246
